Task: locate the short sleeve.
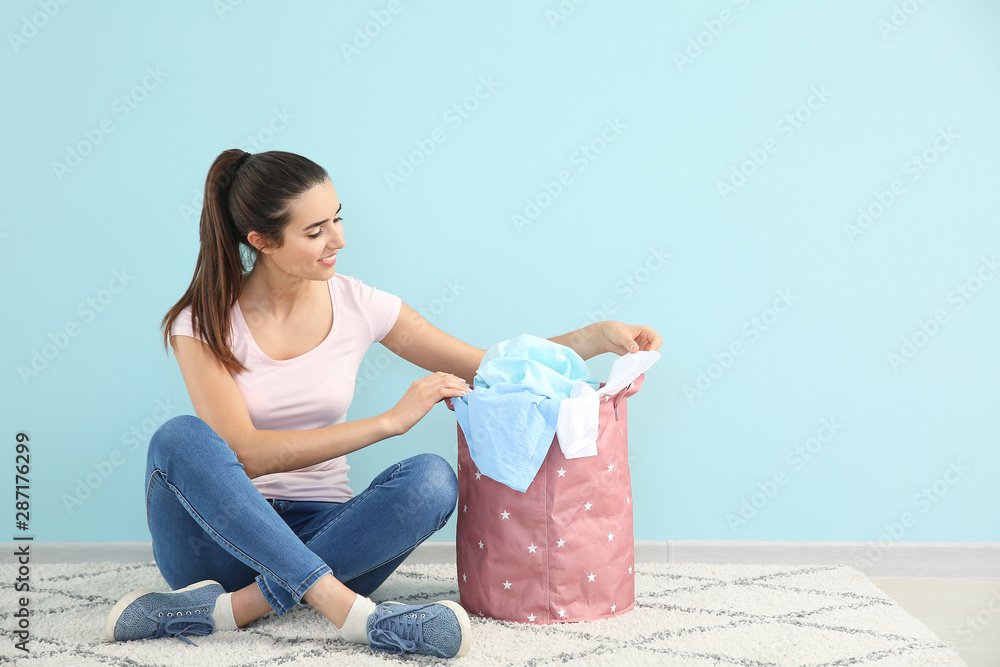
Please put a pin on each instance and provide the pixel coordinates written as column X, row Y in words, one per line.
column 380, row 309
column 183, row 325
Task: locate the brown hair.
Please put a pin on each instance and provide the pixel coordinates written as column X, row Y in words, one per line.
column 243, row 193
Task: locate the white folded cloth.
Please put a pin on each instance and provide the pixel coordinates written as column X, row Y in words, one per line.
column 576, row 427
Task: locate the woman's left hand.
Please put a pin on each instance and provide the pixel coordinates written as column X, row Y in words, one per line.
column 622, row 338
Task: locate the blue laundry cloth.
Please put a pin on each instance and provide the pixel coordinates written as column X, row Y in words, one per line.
column 509, row 419
column 538, row 364
column 508, row 430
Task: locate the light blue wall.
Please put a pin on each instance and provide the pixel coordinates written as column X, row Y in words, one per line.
column 888, row 81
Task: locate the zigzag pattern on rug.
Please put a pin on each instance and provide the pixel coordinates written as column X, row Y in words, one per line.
column 686, row 614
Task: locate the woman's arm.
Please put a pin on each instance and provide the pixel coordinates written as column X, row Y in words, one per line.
column 218, row 401
column 418, row 341
column 617, row 337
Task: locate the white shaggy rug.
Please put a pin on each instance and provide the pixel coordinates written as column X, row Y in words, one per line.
column 686, row 614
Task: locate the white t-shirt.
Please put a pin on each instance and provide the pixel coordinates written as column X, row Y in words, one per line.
column 312, row 390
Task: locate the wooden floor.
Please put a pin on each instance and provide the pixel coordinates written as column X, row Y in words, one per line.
column 963, row 613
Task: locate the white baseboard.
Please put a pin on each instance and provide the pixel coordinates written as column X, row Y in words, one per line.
column 960, row 560
column 933, row 560
column 917, row 560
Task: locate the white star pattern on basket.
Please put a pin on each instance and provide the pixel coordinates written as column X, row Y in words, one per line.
column 556, row 583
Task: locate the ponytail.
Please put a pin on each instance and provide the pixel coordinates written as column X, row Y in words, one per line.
column 243, row 193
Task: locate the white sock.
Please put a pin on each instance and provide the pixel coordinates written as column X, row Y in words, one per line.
column 223, row 613
column 356, row 626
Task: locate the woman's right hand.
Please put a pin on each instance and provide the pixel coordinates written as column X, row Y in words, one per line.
column 421, row 397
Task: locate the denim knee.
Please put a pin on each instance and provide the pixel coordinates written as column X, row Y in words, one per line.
column 436, row 485
column 180, row 438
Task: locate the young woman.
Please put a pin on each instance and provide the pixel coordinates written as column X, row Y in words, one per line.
column 248, row 503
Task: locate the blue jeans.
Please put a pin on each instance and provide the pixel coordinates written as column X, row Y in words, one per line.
column 208, row 520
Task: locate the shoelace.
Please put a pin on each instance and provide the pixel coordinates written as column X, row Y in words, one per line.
column 398, row 633
column 183, row 621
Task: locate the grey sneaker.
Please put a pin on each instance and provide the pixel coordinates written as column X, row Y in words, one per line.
column 440, row 629
column 149, row 615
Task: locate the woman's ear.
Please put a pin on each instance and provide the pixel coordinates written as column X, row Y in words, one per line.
column 258, row 242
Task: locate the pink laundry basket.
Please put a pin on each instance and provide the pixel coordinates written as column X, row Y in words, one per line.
column 563, row 551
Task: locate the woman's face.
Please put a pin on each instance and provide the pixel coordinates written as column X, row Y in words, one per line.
column 312, row 238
